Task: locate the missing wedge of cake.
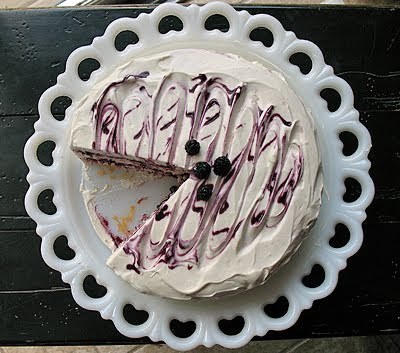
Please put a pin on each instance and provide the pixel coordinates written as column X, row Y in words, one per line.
column 244, row 147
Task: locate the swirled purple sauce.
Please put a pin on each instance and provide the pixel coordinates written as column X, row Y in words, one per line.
column 209, row 119
column 109, row 121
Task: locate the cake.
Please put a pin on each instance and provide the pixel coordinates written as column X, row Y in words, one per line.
column 243, row 148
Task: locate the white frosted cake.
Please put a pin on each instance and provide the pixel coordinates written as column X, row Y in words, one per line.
column 243, row 148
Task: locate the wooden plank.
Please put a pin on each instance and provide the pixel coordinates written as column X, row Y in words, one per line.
column 21, row 265
column 16, row 223
column 375, row 92
column 14, row 131
column 384, row 155
column 53, row 317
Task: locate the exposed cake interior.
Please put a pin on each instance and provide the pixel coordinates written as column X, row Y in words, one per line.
column 147, row 166
column 153, row 169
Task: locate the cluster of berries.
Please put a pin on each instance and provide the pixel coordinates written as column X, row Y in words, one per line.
column 221, row 167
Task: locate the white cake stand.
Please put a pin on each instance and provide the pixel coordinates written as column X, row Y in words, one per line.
column 71, row 218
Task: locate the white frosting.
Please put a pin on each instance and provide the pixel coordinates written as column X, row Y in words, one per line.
column 189, row 254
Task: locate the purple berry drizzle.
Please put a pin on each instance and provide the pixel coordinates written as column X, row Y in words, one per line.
column 212, row 99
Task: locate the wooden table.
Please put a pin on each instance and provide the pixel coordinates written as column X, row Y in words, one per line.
column 363, row 46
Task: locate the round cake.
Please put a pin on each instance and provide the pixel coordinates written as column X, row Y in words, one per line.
column 242, row 146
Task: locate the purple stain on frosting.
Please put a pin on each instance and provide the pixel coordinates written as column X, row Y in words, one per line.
column 224, row 230
column 109, row 122
column 223, row 207
column 168, row 124
column 105, row 224
column 139, row 133
column 199, row 81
